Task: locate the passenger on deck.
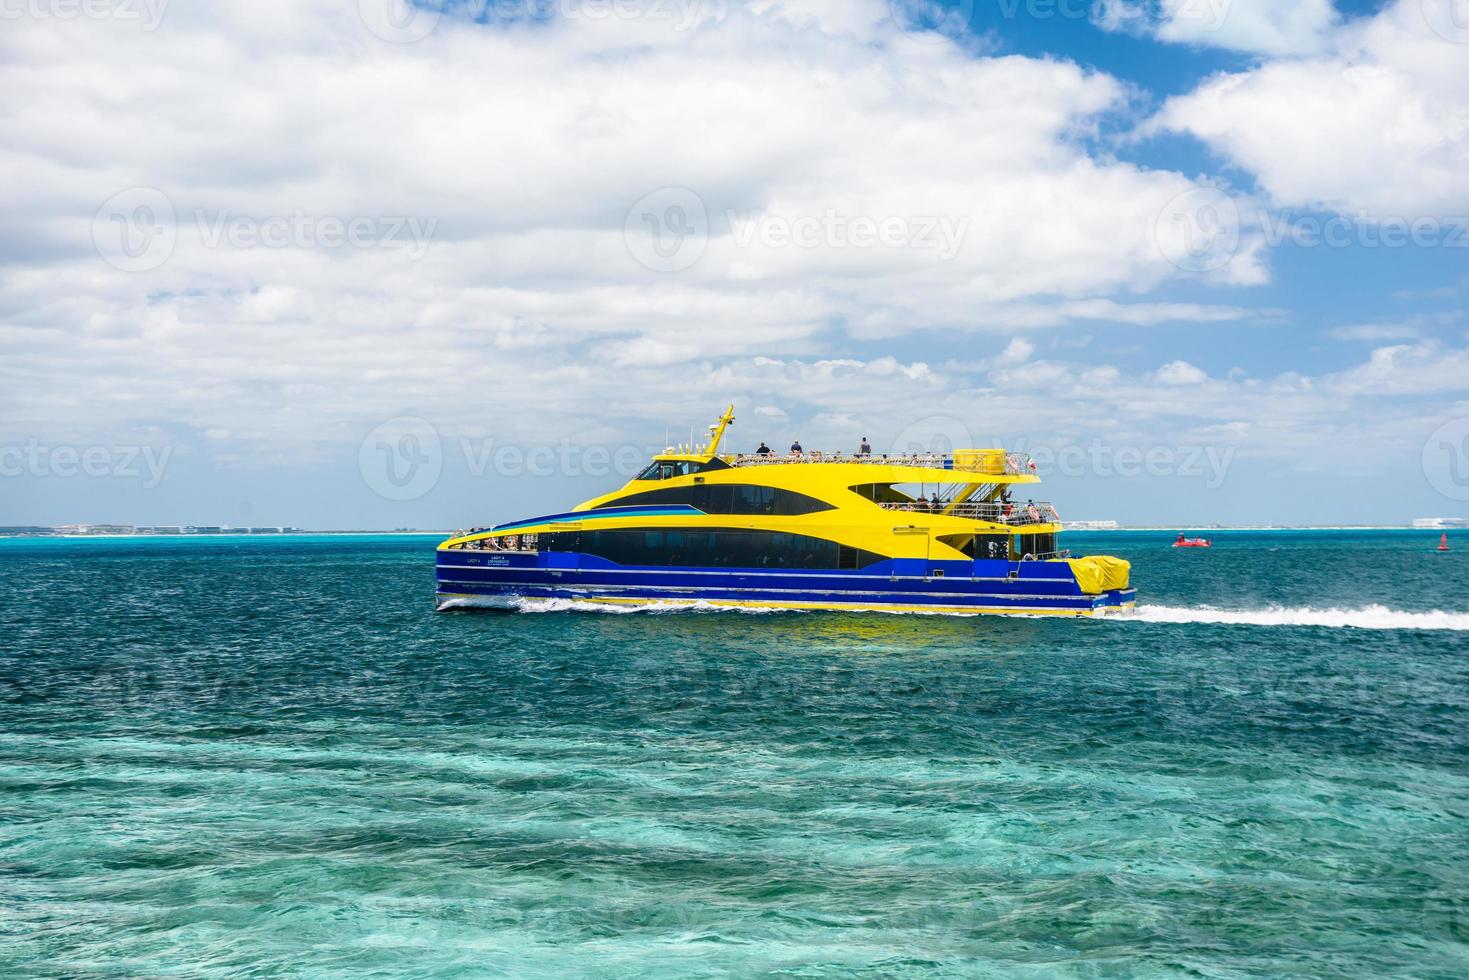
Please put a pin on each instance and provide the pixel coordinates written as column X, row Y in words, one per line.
column 933, row 504
column 764, row 450
column 796, row 449
column 865, row 449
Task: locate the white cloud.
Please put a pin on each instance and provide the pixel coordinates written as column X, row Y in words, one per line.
column 1126, row 16
column 1376, row 407
column 1377, row 124
column 529, row 319
column 527, row 145
column 1407, row 369
column 1258, row 26
column 1149, row 314
column 1409, row 328
column 1037, row 377
column 1018, row 351
column 1180, row 373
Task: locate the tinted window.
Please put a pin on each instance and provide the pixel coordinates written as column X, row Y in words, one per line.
column 1036, row 544
column 728, row 499
column 990, row 546
column 715, row 548
column 668, row 470
column 657, row 471
column 980, row 546
column 881, row 493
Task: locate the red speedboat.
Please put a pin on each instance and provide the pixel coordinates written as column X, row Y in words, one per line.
column 1184, row 542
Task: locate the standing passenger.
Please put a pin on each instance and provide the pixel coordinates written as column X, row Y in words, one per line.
column 865, row 449
column 796, row 449
column 764, row 450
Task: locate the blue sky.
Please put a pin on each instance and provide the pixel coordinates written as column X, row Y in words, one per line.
column 347, row 265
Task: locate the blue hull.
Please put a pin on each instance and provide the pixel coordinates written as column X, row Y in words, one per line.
column 999, row 587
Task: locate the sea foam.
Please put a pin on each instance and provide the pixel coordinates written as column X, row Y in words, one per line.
column 532, row 605
column 1366, row 618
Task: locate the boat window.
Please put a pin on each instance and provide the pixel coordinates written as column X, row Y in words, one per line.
column 992, row 546
column 979, row 546
column 661, row 470
column 713, row 548
column 881, row 493
column 1040, row 545
column 727, row 499
column 668, row 469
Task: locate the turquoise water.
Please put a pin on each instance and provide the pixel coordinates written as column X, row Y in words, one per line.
column 270, row 757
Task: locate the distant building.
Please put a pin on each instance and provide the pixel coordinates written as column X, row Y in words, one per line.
column 1090, row 525
column 1441, row 523
column 96, row 529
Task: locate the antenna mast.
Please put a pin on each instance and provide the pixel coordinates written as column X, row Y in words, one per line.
column 725, row 421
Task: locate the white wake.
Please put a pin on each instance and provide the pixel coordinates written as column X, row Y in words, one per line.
column 1365, row 618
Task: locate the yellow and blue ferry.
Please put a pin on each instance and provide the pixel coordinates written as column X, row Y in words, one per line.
column 805, row 530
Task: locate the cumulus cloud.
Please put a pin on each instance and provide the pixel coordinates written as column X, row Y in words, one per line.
column 304, row 225
column 1376, row 124
column 1018, row 351
column 624, row 222
column 1257, row 26
column 1407, row 369
column 1375, row 406
column 1180, row 373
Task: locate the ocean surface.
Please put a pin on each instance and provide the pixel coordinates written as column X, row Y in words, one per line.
column 270, row 757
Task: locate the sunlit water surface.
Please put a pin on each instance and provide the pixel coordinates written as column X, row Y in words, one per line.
column 271, row 757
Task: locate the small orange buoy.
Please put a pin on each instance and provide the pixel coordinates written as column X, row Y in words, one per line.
column 1443, row 542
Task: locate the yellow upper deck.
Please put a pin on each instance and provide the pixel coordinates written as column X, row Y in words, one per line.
column 875, row 502
column 828, row 477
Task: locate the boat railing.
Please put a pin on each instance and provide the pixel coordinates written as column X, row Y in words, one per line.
column 991, row 462
column 1013, row 515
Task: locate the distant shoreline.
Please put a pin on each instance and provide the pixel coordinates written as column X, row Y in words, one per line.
column 1158, row 529
column 215, row 537
column 1211, row 528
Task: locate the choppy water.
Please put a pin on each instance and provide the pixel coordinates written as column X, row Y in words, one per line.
column 272, row 758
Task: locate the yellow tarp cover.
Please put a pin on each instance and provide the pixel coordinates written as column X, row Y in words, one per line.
column 1100, row 573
